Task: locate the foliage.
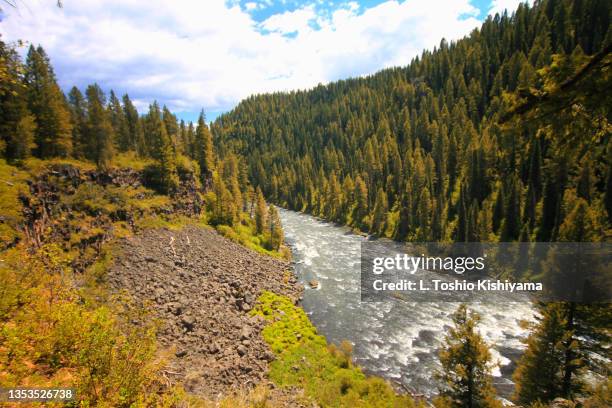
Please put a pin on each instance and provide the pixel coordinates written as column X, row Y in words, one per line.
column 12, row 187
column 304, row 359
column 540, row 370
column 50, row 335
column 425, row 141
column 53, row 131
column 130, row 160
column 466, row 364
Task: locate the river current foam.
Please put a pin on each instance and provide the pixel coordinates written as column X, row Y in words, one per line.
column 397, row 340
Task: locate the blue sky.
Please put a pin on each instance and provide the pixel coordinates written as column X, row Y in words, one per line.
column 210, row 54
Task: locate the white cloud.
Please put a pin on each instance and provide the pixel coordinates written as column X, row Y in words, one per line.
column 189, row 54
column 498, row 6
column 291, row 21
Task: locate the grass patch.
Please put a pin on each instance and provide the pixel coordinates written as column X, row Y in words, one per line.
column 12, row 186
column 325, row 372
column 37, row 167
column 130, row 160
column 172, row 222
column 244, row 235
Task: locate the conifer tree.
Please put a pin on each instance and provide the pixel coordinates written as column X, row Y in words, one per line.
column 360, row 210
column 260, row 212
column 134, row 127
column 46, row 102
column 230, row 174
column 379, row 213
column 204, row 148
column 556, row 350
column 21, row 144
column 224, row 210
column 276, row 231
column 511, row 227
column 78, row 111
column 119, row 123
column 190, row 141
column 162, row 150
column 423, row 216
column 498, row 210
column 539, row 373
column 405, row 218
column 99, row 134
column 15, row 118
column 466, row 365
column 462, row 217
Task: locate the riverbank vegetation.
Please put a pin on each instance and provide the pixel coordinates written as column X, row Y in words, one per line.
column 325, row 372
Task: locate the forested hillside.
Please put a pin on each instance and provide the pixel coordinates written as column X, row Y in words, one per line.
column 496, row 137
column 39, row 122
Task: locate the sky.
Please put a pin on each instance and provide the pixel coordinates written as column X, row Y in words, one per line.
column 210, row 54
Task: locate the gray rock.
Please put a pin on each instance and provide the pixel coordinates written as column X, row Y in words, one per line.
column 268, row 356
column 245, row 333
column 188, row 322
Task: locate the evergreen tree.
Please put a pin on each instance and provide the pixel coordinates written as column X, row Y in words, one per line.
column 46, row 102
column 99, row 134
column 360, row 210
column 379, row 214
column 162, row 150
column 78, row 111
column 134, row 127
column 466, row 365
column 276, row 232
column 21, row 144
column 498, row 209
column 119, row 123
column 511, row 227
column 260, row 212
column 556, row 349
column 15, row 118
column 224, row 210
column 405, row 219
column 203, row 148
column 539, row 373
column 230, row 175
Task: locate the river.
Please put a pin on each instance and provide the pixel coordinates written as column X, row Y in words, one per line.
column 397, row 340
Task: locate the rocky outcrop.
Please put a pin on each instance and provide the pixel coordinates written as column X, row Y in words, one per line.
column 203, row 286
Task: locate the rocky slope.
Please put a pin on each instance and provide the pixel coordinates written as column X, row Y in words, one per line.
column 202, row 287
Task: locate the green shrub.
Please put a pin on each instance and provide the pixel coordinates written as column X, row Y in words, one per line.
column 12, row 187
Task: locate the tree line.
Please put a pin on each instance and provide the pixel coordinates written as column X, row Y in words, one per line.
column 38, row 120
